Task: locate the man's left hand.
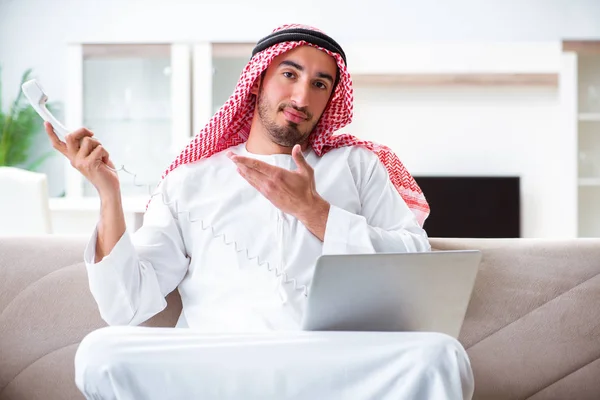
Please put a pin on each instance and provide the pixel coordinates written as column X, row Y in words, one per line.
column 293, row 192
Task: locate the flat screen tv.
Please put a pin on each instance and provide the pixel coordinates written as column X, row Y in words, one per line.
column 472, row 207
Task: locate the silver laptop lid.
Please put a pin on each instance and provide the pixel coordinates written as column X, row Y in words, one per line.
column 392, row 292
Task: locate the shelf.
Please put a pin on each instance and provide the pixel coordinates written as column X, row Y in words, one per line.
column 589, row 181
column 589, row 117
column 468, row 79
column 582, row 47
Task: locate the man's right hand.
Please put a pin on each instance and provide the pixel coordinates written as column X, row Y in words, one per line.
column 89, row 157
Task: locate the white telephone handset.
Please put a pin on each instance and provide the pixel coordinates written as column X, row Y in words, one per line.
column 37, row 98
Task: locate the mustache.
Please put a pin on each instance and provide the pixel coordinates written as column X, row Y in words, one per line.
column 303, row 110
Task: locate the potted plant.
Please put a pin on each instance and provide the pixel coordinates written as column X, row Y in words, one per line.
column 19, row 126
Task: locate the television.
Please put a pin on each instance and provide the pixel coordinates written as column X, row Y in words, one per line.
column 472, row 206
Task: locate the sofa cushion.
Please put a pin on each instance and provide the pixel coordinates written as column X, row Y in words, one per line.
column 533, row 319
column 46, row 307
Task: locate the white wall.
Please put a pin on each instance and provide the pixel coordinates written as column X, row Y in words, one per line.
column 33, row 33
column 499, row 138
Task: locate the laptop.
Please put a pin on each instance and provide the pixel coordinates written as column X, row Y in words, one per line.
column 419, row 292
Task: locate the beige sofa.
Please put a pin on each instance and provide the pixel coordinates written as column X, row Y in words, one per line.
column 532, row 328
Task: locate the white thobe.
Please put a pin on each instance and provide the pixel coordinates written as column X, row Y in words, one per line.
column 242, row 266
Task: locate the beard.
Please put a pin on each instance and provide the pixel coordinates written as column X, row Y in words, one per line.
column 286, row 135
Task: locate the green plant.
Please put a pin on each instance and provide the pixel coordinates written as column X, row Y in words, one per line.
column 18, row 129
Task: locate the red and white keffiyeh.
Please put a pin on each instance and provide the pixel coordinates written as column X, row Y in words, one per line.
column 230, row 126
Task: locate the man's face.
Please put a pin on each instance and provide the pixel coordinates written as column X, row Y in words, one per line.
column 294, row 92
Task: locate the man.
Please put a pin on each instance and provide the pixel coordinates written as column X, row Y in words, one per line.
column 236, row 225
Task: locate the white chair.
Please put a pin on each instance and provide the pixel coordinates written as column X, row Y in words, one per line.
column 24, row 204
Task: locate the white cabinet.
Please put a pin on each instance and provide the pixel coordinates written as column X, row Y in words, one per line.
column 583, row 70
column 144, row 102
column 588, row 139
column 136, row 98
